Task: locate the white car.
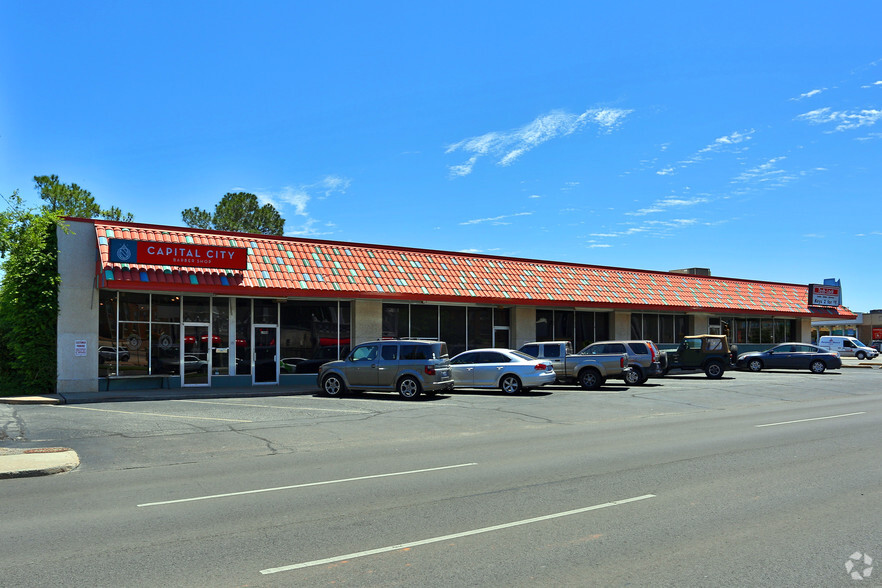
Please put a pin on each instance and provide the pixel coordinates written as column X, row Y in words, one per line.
column 509, row 370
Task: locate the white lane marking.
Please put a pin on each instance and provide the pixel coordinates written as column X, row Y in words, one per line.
column 328, row 560
column 170, row 416
column 273, row 407
column 835, row 416
column 308, row 484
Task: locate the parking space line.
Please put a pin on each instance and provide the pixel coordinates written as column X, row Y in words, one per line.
column 835, row 416
column 328, row 560
column 273, row 407
column 170, row 416
column 308, row 484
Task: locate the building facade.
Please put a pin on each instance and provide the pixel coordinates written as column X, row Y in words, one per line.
column 149, row 306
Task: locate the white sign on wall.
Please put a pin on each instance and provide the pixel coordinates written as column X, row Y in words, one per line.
column 824, row 295
column 80, row 348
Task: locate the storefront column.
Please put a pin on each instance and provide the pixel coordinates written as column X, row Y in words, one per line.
column 523, row 326
column 366, row 321
column 77, row 310
column 621, row 325
column 804, row 330
column 700, row 324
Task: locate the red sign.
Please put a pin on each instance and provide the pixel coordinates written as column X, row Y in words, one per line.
column 180, row 254
column 877, row 333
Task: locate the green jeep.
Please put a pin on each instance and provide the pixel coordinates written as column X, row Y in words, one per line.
column 709, row 353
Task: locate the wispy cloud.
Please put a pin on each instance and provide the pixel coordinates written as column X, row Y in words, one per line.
column 720, row 144
column 507, row 147
column 842, row 119
column 495, row 220
column 809, row 94
column 878, row 83
column 298, row 199
column 768, row 174
column 667, row 203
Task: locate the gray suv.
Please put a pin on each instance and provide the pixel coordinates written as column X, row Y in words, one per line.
column 410, row 367
column 643, row 358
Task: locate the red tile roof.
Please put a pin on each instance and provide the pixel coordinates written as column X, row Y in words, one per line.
column 284, row 267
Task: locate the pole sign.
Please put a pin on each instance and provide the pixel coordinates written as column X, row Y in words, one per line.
column 823, row 295
column 180, row 254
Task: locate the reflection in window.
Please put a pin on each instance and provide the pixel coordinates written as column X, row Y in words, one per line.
column 166, row 309
column 243, row 336
column 220, row 335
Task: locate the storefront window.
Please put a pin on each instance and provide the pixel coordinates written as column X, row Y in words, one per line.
column 311, row 330
column 396, row 320
column 107, row 333
column 424, row 321
column 243, row 336
column 453, row 328
column 134, row 307
column 480, row 328
column 220, row 335
column 134, row 349
column 584, row 329
column 196, row 309
column 544, row 325
column 165, row 348
column 166, row 309
column 266, row 312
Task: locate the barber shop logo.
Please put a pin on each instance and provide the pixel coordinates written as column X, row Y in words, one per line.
column 859, row 566
column 123, row 253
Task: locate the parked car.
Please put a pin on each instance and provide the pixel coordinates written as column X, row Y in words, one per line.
column 410, row 367
column 791, row 356
column 172, row 365
column 289, row 364
column 877, row 345
column 106, row 353
column 708, row 353
column 590, row 371
column 643, row 358
column 847, row 346
column 321, row 356
column 509, row 370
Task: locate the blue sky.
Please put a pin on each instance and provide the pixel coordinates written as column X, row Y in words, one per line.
column 745, row 137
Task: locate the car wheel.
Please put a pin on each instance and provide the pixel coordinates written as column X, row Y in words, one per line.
column 408, row 388
column 590, row 379
column 818, row 367
column 714, row 369
column 860, row 355
column 510, row 384
column 333, row 386
column 755, row 365
column 634, row 377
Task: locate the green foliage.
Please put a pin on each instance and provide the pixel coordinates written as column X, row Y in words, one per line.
column 71, row 200
column 28, row 299
column 239, row 212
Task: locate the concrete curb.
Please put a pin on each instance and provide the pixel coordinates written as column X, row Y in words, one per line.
column 45, row 461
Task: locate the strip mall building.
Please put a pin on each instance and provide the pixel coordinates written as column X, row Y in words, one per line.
column 144, row 306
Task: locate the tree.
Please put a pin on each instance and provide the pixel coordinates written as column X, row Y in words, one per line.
column 28, row 298
column 239, row 212
column 71, row 200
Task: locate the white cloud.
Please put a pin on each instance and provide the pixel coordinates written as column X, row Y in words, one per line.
column 732, row 139
column 511, row 145
column 879, row 83
column 809, row 94
column 299, row 197
column 495, row 220
column 662, row 205
column 768, row 174
column 843, row 120
column 725, row 143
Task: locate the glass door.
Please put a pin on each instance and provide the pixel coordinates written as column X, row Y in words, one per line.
column 196, row 355
column 266, row 364
column 501, row 337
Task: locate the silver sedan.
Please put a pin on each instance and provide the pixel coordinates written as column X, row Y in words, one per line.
column 509, row 370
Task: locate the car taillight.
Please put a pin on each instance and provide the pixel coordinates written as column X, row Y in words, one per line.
column 430, row 370
column 652, row 351
column 622, row 362
column 540, row 367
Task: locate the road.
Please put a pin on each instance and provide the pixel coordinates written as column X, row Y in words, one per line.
column 768, row 479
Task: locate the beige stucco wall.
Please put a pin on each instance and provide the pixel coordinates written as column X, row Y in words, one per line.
column 622, row 324
column 78, row 309
column 366, row 321
column 523, row 325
